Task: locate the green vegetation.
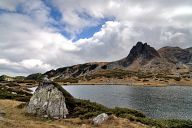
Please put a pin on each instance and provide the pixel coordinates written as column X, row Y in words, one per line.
column 7, row 92
column 141, row 75
column 115, row 73
column 145, row 80
column 36, row 76
column 6, row 78
column 85, row 109
column 19, row 78
column 29, row 82
column 177, row 78
column 120, row 74
column 67, row 80
column 9, row 78
column 9, row 95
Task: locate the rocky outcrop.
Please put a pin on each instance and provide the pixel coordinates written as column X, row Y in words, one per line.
column 142, row 51
column 100, row 119
column 139, row 55
column 48, row 100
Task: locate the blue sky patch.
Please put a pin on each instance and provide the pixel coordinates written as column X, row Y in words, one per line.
column 54, row 12
column 88, row 32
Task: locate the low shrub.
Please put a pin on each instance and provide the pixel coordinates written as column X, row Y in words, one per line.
column 121, row 112
column 67, row 80
column 145, row 80
column 177, row 78
column 86, row 109
column 15, row 94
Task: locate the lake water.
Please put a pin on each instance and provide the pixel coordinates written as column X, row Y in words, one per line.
column 157, row 102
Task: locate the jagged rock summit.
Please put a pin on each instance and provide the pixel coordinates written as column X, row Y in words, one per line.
column 139, row 55
column 141, row 51
column 49, row 100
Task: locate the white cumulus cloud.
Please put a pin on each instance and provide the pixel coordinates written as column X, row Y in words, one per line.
column 32, row 40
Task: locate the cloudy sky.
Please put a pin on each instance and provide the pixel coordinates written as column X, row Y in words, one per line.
column 39, row 35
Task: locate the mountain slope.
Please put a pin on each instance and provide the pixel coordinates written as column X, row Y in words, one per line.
column 142, row 58
column 189, row 49
column 75, row 71
column 176, row 54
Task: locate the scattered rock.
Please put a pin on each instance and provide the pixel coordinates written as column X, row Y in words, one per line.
column 14, row 93
column 48, row 100
column 21, row 105
column 46, row 79
column 100, row 119
column 84, row 126
column 112, row 117
column 2, row 114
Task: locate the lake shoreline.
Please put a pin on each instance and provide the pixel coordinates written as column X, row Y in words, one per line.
column 133, row 82
column 116, row 84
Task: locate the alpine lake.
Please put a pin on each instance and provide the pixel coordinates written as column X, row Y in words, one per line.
column 169, row 102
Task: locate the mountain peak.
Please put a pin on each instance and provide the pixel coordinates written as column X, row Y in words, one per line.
column 144, row 51
column 141, row 52
column 139, row 43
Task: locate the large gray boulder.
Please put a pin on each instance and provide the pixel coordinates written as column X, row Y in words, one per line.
column 48, row 100
column 100, row 119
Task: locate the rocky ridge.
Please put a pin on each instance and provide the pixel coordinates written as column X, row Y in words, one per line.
column 142, row 58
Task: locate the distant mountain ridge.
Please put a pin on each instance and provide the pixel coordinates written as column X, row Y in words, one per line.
column 142, row 58
column 189, row 49
column 176, row 54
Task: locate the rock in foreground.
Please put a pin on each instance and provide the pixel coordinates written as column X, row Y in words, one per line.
column 48, row 101
column 100, row 119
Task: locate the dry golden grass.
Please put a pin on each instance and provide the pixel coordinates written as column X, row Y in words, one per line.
column 16, row 118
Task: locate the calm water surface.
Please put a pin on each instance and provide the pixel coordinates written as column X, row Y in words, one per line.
column 157, row 102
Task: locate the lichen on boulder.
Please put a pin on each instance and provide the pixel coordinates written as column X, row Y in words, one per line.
column 49, row 100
